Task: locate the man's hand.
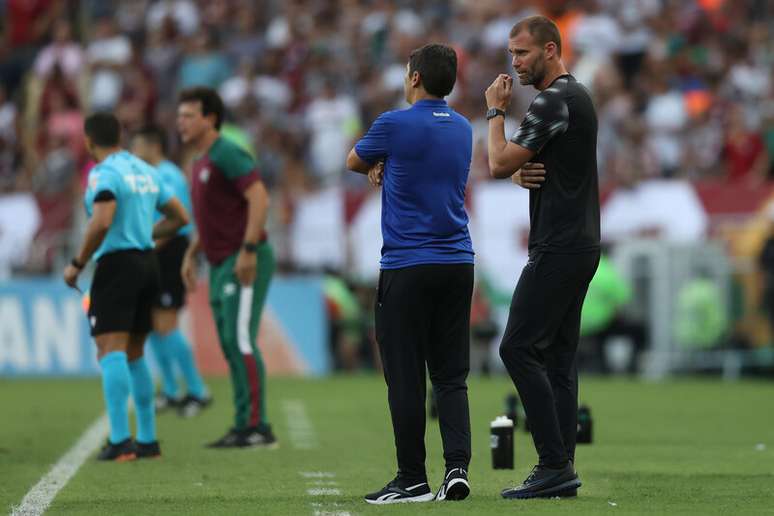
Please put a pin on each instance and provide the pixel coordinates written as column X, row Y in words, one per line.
column 246, row 267
column 376, row 174
column 498, row 94
column 70, row 276
column 188, row 272
column 531, row 175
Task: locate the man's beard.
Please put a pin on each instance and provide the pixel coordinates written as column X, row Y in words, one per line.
column 533, row 76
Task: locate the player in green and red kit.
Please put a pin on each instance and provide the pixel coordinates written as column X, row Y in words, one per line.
column 230, row 204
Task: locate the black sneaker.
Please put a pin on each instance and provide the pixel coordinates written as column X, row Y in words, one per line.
column 191, row 405
column 455, row 485
column 253, row 437
column 121, row 452
column 147, row 450
column 401, row 492
column 544, row 482
column 164, row 402
column 230, row 440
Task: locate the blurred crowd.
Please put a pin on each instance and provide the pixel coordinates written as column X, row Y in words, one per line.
column 683, row 88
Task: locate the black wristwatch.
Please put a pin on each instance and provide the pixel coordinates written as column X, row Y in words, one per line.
column 493, row 112
column 78, row 265
column 250, row 247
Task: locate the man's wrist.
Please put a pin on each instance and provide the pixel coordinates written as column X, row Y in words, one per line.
column 77, row 263
column 250, row 247
column 494, row 112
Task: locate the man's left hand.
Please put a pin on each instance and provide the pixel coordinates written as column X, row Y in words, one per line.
column 70, row 276
column 498, row 94
column 376, row 174
column 246, row 267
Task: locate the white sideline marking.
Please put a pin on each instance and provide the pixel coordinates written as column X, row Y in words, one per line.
column 323, row 491
column 302, row 433
column 322, row 509
column 317, row 474
column 323, row 483
column 37, row 500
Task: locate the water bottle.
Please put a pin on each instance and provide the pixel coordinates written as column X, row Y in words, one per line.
column 512, row 409
column 585, row 425
column 501, row 442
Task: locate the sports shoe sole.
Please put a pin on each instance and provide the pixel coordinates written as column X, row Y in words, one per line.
column 458, row 489
column 421, row 498
column 566, row 489
column 124, row 457
column 273, row 446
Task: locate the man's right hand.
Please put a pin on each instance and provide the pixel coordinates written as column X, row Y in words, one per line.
column 188, row 272
column 531, row 175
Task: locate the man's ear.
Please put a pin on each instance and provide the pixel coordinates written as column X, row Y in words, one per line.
column 550, row 50
column 416, row 79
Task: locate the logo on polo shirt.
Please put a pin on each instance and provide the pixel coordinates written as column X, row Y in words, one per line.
column 229, row 289
column 204, row 175
column 436, row 113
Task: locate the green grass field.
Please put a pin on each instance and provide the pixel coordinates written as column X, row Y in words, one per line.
column 678, row 447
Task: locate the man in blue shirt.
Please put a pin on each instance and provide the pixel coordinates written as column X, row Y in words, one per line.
column 421, row 156
column 122, row 194
column 169, row 345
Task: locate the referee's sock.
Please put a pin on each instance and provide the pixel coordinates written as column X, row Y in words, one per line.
column 178, row 345
column 142, row 391
column 164, row 354
column 115, row 388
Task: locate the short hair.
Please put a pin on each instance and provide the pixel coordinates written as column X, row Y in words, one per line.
column 542, row 29
column 154, row 133
column 103, row 129
column 209, row 99
column 437, row 67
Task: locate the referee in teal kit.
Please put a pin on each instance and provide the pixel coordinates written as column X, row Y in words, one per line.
column 122, row 195
column 426, row 279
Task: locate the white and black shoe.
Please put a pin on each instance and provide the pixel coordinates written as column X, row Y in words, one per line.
column 401, row 492
column 455, row 486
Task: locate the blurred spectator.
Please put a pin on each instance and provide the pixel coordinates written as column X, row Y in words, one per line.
column 766, row 266
column 603, row 317
column 665, row 117
column 108, row 52
column 9, row 151
column 247, row 42
column 744, row 152
column 183, row 14
column 63, row 52
column 26, row 23
column 19, row 221
column 7, row 118
column 346, row 323
column 203, row 63
column 162, row 55
column 63, row 127
column 333, row 122
column 138, row 95
column 700, row 316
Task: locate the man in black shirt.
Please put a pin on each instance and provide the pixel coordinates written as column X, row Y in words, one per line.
column 553, row 153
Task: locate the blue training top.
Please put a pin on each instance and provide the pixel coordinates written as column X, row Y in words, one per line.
column 174, row 178
column 427, row 150
column 138, row 192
